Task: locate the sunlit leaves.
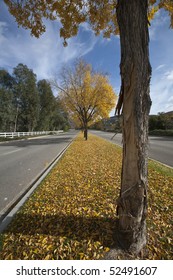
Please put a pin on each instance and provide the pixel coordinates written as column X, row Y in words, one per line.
column 86, row 96
column 152, row 11
column 160, row 212
column 101, row 15
column 72, row 215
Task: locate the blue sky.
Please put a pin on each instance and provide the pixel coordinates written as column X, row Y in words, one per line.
column 46, row 55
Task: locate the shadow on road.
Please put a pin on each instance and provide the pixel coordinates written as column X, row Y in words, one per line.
column 161, row 138
column 34, row 142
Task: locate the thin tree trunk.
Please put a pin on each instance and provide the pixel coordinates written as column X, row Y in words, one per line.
column 134, row 98
column 86, row 132
column 16, row 120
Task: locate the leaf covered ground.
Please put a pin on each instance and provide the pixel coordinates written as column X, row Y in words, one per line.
column 72, row 214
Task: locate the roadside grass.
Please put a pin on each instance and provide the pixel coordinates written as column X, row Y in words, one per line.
column 72, row 214
column 160, row 168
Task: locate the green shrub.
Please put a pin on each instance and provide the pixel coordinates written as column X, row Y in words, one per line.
column 161, row 132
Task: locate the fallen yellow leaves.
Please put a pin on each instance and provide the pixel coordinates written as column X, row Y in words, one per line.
column 160, row 219
column 71, row 215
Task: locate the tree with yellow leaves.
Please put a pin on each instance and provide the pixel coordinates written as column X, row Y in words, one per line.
column 131, row 19
column 86, row 96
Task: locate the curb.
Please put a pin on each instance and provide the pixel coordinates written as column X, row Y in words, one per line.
column 168, row 166
column 7, row 217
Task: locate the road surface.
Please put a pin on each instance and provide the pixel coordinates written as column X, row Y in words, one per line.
column 22, row 161
column 160, row 148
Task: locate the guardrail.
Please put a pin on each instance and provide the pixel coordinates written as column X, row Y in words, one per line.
column 21, row 134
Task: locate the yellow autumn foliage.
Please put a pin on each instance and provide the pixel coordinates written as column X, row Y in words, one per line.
column 86, row 96
column 101, row 15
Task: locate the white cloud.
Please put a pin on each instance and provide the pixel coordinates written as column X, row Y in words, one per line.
column 45, row 55
column 160, row 67
column 3, row 27
column 169, row 75
column 162, row 62
column 86, row 27
column 171, row 99
column 159, row 20
column 162, row 92
column 169, row 105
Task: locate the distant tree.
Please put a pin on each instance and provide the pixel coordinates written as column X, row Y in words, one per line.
column 26, row 98
column 6, row 110
column 153, row 122
column 51, row 113
column 60, row 118
column 161, row 121
column 86, row 96
column 169, row 120
column 6, row 80
column 6, row 101
column 47, row 105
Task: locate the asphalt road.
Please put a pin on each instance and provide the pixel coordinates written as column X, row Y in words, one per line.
column 160, row 148
column 22, row 161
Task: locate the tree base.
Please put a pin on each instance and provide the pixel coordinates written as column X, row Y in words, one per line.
column 137, row 249
column 119, row 254
column 132, row 241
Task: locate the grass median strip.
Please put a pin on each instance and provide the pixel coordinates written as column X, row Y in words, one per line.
column 71, row 215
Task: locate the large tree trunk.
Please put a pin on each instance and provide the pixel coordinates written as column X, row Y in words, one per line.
column 135, row 102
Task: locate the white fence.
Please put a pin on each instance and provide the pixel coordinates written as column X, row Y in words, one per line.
column 21, row 134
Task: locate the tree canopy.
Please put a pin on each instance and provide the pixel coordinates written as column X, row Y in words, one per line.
column 86, row 96
column 100, row 14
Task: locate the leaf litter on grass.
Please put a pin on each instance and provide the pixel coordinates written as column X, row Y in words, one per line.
column 72, row 214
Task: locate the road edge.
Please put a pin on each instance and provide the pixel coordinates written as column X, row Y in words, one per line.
column 7, row 217
column 166, row 165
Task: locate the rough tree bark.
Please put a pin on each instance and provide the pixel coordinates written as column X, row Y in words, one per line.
column 135, row 102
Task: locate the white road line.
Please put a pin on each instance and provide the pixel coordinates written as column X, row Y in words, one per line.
column 8, row 153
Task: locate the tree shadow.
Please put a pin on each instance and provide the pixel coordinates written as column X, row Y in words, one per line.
column 72, row 227
column 40, row 141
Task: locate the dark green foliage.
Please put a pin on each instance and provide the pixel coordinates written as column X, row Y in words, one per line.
column 59, row 118
column 26, row 105
column 6, row 110
column 6, row 101
column 52, row 116
column 162, row 121
column 161, row 132
column 47, row 105
column 26, row 98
